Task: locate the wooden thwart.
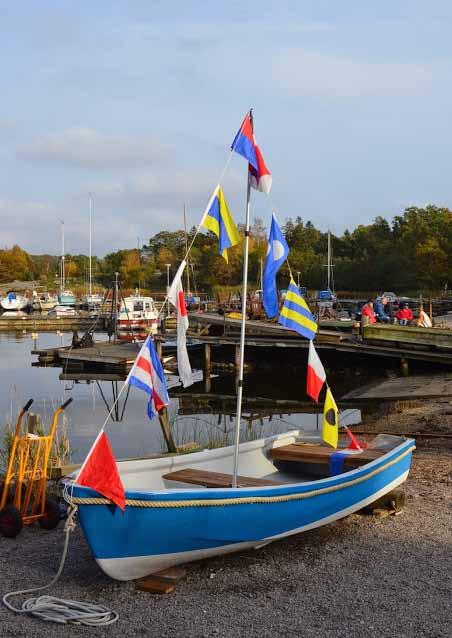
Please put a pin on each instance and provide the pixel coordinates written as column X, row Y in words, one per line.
column 215, row 479
column 321, row 454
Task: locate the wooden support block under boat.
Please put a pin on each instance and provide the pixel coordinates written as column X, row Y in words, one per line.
column 156, row 585
column 391, row 503
column 215, row 479
column 308, row 453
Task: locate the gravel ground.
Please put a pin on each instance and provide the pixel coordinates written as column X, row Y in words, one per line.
column 361, row 577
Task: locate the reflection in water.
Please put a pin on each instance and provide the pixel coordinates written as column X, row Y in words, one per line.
column 195, row 416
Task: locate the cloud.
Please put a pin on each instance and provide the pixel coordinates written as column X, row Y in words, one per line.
column 17, row 216
column 300, row 73
column 85, row 147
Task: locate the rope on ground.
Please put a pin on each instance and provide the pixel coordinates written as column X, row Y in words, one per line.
column 61, row 610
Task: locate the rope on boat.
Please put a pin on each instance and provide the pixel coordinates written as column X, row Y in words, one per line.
column 245, row 500
column 61, row 610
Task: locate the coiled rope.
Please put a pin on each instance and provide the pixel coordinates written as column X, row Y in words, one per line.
column 61, row 610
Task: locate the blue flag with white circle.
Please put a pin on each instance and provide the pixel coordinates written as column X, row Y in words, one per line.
column 277, row 252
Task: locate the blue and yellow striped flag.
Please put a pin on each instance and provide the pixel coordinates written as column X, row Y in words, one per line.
column 295, row 313
column 218, row 219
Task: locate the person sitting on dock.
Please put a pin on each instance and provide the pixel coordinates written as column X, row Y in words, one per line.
column 368, row 311
column 379, row 307
column 424, row 320
column 404, row 315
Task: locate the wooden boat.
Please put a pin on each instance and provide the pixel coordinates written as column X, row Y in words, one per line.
column 186, row 507
column 183, row 508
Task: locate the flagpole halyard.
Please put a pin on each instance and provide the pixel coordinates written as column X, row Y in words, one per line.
column 242, row 337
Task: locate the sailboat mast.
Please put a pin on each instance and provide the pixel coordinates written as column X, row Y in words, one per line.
column 242, row 337
column 90, row 245
column 329, row 262
column 62, row 282
column 187, row 270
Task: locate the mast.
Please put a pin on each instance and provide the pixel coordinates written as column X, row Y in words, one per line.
column 90, row 245
column 329, row 262
column 187, row 270
column 62, row 282
column 242, row 337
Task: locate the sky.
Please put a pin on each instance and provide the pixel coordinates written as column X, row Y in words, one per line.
column 137, row 103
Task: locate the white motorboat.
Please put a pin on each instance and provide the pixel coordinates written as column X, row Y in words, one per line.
column 43, row 301
column 62, row 311
column 137, row 316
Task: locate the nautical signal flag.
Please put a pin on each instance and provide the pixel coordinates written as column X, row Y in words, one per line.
column 277, row 252
column 245, row 144
column 177, row 299
column 316, row 375
column 100, row 473
column 330, row 424
column 295, row 313
column 218, row 219
column 147, row 375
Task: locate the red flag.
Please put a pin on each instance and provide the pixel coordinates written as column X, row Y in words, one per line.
column 99, row 472
column 316, row 374
column 354, row 443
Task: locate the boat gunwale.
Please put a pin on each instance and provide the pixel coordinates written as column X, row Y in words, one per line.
column 240, row 494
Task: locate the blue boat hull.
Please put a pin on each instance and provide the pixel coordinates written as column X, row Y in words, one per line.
column 167, row 527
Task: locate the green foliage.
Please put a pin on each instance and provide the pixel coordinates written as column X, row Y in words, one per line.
column 412, row 252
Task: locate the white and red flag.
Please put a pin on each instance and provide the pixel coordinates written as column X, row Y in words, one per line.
column 100, row 473
column 316, row 374
column 177, row 299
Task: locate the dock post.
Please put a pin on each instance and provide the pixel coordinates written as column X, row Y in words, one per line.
column 207, row 357
column 207, row 381
column 158, row 345
column 164, row 424
column 404, row 367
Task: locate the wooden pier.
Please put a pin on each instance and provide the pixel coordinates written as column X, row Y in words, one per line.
column 404, row 343
column 219, row 334
column 43, row 323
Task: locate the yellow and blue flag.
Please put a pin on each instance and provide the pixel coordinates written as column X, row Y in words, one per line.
column 295, row 313
column 218, row 219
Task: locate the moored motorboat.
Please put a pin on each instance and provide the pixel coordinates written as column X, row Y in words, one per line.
column 44, row 301
column 182, row 508
column 137, row 317
column 62, row 311
column 92, row 301
column 67, row 298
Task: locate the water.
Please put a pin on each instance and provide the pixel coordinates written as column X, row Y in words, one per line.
column 207, row 418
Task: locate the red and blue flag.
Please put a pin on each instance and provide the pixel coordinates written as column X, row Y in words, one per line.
column 147, row 375
column 245, row 144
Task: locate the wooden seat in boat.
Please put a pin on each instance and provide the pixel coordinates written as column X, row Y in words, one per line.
column 308, row 453
column 215, row 479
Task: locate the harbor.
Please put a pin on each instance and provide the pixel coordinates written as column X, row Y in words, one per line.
column 226, row 321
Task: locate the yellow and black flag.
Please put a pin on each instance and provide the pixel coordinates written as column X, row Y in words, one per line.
column 330, row 424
